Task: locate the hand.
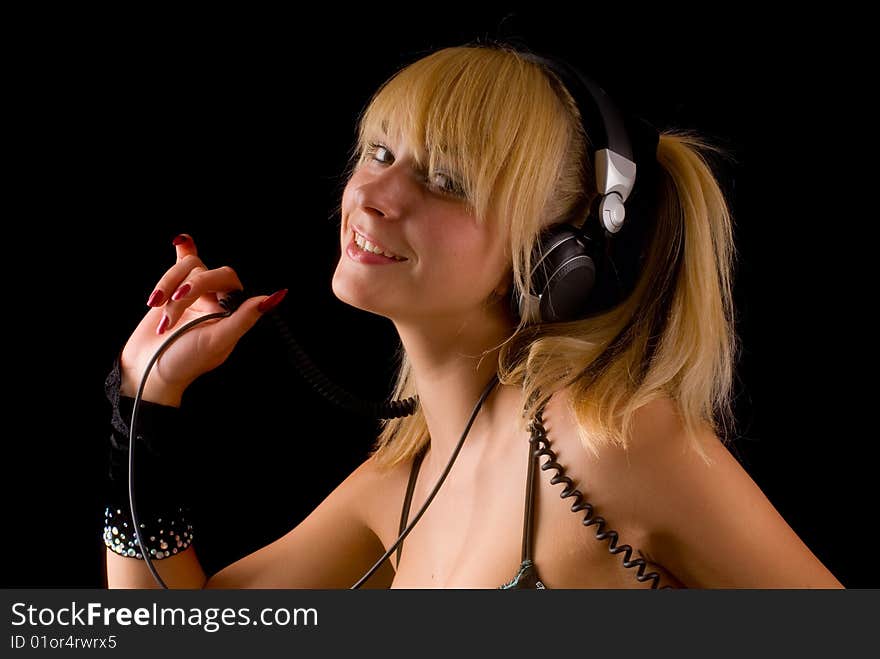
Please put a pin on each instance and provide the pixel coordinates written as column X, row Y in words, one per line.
column 188, row 290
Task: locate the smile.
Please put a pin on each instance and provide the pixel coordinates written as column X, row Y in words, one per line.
column 367, row 246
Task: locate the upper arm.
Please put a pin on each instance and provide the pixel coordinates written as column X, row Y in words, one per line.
column 331, row 548
column 711, row 525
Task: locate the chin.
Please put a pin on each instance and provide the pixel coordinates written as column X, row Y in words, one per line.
column 351, row 293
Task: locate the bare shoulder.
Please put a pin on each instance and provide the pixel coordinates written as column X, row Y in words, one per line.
column 378, row 492
column 332, row 547
column 708, row 521
column 372, row 490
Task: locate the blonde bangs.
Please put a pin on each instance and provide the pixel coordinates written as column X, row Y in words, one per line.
column 469, row 112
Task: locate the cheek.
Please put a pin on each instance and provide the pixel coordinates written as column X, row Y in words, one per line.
column 470, row 259
column 346, row 198
column 451, row 244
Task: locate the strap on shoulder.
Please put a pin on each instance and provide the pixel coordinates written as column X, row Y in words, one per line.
column 529, row 511
column 407, row 500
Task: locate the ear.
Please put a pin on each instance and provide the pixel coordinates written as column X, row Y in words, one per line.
column 502, row 295
column 505, row 286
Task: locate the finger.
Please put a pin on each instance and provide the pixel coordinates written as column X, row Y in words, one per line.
column 185, row 246
column 150, row 321
column 202, row 282
column 227, row 332
column 173, row 278
column 199, row 282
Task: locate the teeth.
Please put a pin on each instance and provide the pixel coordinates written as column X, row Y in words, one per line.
column 367, row 246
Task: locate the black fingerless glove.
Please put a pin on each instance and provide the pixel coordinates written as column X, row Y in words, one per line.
column 161, row 472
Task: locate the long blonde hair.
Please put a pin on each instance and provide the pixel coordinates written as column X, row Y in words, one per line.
column 516, row 142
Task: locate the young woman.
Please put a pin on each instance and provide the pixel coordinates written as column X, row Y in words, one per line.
column 465, row 161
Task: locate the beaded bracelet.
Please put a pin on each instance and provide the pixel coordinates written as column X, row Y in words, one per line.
column 164, row 516
column 162, row 540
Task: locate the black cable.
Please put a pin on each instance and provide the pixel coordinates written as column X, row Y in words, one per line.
column 131, row 433
column 431, row 496
column 332, row 391
column 541, row 448
column 313, row 375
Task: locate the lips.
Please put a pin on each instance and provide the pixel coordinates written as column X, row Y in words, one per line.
column 370, row 245
column 359, row 255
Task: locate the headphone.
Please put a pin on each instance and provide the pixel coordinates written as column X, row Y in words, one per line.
column 576, row 270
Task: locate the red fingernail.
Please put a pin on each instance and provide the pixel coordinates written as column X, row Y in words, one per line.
column 179, row 240
column 181, row 292
column 156, row 298
column 272, row 301
column 163, row 324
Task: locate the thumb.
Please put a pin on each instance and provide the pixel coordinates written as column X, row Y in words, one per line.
column 247, row 315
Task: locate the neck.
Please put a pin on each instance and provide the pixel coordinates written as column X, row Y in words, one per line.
column 452, row 364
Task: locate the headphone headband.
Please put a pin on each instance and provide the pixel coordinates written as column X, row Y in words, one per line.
column 576, row 270
column 619, row 144
column 598, row 110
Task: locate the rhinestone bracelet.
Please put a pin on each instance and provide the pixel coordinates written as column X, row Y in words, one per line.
column 163, row 536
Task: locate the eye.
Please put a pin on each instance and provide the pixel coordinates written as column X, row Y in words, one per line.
column 441, row 181
column 378, row 152
column 446, row 184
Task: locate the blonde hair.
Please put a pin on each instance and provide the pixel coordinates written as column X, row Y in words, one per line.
column 514, row 139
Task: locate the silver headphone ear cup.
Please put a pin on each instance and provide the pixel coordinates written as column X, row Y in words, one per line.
column 612, row 211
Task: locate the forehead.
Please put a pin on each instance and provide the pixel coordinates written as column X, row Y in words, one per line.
column 439, row 107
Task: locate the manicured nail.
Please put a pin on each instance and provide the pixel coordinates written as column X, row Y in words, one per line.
column 272, row 301
column 163, row 324
column 156, row 298
column 181, row 292
column 179, row 240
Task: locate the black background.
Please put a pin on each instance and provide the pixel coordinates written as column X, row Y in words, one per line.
column 131, row 129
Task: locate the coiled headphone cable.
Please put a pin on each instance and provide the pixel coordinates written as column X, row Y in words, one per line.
column 541, row 448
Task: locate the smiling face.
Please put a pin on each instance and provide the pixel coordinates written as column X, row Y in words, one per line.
column 462, row 158
column 444, row 263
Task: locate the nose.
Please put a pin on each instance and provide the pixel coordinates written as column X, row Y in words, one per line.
column 386, row 193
